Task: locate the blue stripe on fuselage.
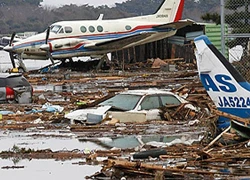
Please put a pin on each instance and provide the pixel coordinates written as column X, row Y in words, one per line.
column 240, row 112
column 245, row 85
column 204, row 38
column 72, row 51
column 224, row 122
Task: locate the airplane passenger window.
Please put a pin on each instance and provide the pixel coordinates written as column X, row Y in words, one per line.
column 83, row 29
column 99, row 28
column 91, row 28
column 128, row 27
column 68, row 29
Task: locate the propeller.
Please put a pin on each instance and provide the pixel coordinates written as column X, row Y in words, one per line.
column 11, row 52
column 46, row 42
column 47, row 35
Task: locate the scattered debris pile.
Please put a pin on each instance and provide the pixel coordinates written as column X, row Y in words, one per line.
column 181, row 161
column 184, row 157
column 165, row 65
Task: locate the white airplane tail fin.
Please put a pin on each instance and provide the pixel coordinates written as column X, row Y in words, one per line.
column 169, row 11
column 229, row 91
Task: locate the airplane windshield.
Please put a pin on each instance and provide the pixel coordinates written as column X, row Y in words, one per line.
column 55, row 28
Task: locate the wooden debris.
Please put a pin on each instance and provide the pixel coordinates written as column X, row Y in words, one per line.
column 173, row 112
column 218, row 137
column 198, row 160
column 158, row 63
column 113, row 121
column 230, row 116
column 139, row 165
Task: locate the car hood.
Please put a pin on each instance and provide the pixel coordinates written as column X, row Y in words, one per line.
column 81, row 114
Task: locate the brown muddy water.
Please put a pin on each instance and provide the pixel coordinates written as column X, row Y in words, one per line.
column 29, row 169
column 65, row 140
column 45, row 169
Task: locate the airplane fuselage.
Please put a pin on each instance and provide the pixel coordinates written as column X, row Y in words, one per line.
column 71, row 38
column 67, row 39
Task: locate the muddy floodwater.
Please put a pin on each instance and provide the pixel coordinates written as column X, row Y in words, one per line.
column 65, row 140
column 45, row 169
column 12, row 168
column 40, row 140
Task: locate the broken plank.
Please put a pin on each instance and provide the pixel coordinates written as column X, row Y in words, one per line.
column 218, row 137
column 230, row 116
column 136, row 165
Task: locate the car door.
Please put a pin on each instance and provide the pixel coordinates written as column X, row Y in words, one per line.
column 151, row 104
column 168, row 99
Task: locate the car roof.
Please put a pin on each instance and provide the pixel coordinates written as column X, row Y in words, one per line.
column 147, row 92
column 7, row 75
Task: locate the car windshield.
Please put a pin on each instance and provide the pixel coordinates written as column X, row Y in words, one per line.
column 123, row 101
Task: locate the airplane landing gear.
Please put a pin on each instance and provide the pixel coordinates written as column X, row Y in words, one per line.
column 102, row 60
column 20, row 67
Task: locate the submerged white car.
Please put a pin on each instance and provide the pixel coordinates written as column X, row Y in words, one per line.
column 141, row 101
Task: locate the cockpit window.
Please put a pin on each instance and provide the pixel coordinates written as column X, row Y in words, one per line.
column 55, row 28
column 68, row 29
column 61, row 31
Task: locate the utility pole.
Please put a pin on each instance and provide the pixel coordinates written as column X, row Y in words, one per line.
column 222, row 16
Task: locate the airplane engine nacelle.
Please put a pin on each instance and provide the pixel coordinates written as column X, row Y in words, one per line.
column 42, row 57
column 60, row 44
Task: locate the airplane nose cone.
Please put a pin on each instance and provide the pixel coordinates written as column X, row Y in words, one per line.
column 44, row 47
column 8, row 48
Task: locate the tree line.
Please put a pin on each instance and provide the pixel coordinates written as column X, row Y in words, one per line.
column 28, row 15
column 19, row 2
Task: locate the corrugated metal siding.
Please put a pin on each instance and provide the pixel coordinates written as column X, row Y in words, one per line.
column 192, row 35
column 189, row 36
column 176, row 40
column 213, row 32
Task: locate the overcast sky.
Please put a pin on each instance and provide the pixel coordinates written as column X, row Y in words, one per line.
column 58, row 3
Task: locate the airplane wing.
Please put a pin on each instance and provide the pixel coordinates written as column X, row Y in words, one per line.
column 176, row 25
column 120, row 42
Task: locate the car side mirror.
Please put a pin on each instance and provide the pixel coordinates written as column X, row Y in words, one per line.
column 139, row 108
